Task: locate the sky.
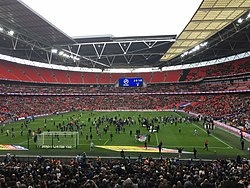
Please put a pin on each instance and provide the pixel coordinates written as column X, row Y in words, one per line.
column 120, row 18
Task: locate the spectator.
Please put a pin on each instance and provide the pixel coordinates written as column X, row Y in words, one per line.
column 206, row 145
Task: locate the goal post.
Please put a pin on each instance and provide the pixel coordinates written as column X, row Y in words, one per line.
column 55, row 139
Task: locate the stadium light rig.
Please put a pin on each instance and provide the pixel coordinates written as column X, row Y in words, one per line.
column 248, row 16
column 240, row 20
column 243, row 19
column 196, row 48
column 54, row 51
column 61, row 53
column 11, row 32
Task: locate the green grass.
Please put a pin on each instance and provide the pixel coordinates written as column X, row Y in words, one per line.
column 221, row 144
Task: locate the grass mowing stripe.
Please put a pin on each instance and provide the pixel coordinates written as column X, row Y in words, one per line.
column 5, row 135
column 214, row 137
column 168, row 134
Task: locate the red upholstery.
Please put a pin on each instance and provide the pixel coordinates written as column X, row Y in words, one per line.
column 61, row 76
column 75, row 77
column 158, row 77
column 89, row 78
column 46, row 75
column 104, row 78
column 173, row 76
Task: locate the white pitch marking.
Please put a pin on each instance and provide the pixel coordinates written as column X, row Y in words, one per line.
column 106, row 142
column 211, row 134
column 157, row 139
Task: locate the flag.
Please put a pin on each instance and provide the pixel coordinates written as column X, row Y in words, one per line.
column 182, row 105
column 141, row 137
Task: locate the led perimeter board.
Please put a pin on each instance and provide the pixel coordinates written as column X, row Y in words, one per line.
column 130, row 82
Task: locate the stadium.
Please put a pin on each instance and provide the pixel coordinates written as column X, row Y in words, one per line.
column 162, row 110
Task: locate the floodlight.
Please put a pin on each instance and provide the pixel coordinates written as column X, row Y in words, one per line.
column 240, row 20
column 11, row 32
column 54, row 51
column 203, row 44
column 1, row 29
column 65, row 55
column 248, row 16
column 61, row 53
column 196, row 48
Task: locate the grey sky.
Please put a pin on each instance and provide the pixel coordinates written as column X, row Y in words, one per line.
column 117, row 17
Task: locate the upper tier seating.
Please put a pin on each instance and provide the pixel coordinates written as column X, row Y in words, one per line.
column 75, row 77
column 13, row 71
column 90, row 78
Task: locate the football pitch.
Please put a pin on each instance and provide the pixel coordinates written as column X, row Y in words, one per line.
column 221, row 144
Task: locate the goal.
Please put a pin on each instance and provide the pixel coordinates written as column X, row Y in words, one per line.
column 58, row 140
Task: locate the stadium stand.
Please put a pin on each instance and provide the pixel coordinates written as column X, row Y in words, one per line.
column 216, row 96
column 90, row 78
column 146, row 76
column 6, row 73
column 31, row 73
column 115, row 77
column 173, row 76
column 225, row 107
column 13, row 71
column 142, row 172
column 104, row 78
column 60, row 76
column 75, row 77
column 158, row 77
column 220, row 70
column 46, row 74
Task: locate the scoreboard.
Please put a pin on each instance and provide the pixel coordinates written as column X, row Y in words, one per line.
column 130, row 82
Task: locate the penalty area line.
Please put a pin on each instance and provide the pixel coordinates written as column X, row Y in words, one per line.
column 200, row 147
column 106, row 142
column 211, row 134
column 157, row 141
column 214, row 137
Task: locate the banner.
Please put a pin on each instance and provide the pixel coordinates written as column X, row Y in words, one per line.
column 141, row 149
column 141, row 138
column 11, row 147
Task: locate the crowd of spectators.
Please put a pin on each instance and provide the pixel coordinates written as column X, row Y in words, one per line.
column 23, row 106
column 153, row 88
column 220, row 70
column 25, row 100
column 230, row 108
column 124, row 173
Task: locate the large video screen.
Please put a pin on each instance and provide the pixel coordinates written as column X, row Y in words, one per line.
column 130, row 82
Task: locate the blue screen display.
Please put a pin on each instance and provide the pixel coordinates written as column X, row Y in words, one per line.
column 130, row 82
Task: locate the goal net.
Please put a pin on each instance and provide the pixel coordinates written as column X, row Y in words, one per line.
column 58, row 140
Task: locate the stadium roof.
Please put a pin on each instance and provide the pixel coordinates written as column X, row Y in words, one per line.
column 219, row 28
column 211, row 17
column 19, row 17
